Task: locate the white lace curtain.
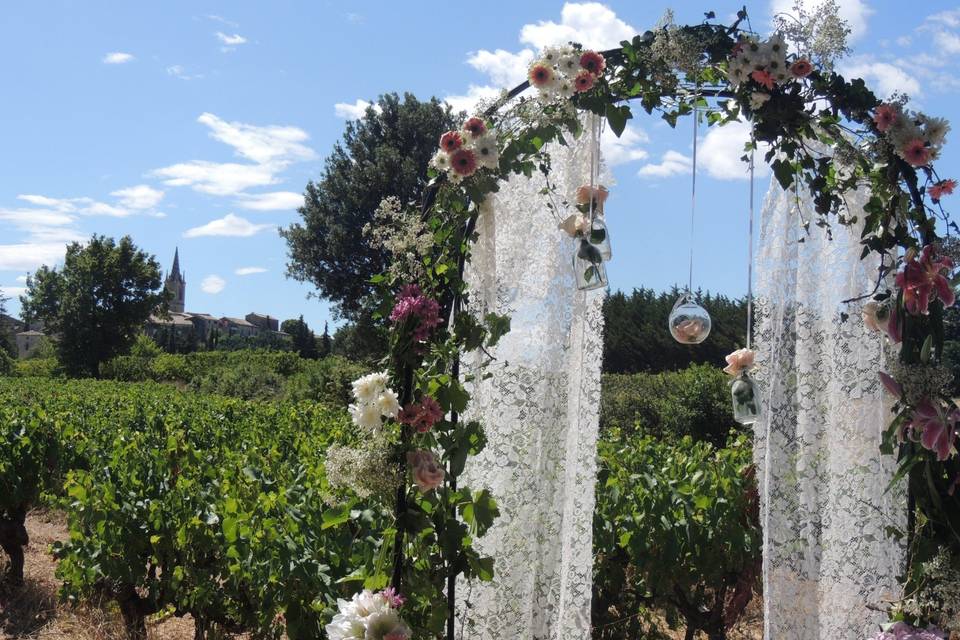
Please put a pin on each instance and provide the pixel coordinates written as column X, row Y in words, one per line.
column 825, row 506
column 540, row 411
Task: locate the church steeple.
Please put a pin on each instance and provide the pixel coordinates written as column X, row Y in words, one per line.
column 176, row 284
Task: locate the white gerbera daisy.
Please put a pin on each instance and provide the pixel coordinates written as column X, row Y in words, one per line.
column 441, row 161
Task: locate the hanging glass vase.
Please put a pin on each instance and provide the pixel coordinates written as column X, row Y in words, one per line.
column 600, row 237
column 689, row 322
column 588, row 266
column 746, row 405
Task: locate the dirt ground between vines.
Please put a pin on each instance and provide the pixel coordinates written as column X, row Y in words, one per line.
column 34, row 613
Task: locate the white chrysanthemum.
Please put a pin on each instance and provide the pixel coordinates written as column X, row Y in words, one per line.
column 565, row 88
column 569, row 65
column 346, row 626
column 368, row 388
column 935, row 129
column 551, row 55
column 485, row 149
column 904, row 130
column 366, row 416
column 367, row 603
column 441, row 161
column 388, row 403
column 380, row 623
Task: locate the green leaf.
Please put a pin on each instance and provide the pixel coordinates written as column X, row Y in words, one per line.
column 335, row 516
column 617, row 117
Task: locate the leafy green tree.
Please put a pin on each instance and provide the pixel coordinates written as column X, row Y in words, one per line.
column 361, row 341
column 384, row 153
column 636, row 337
column 96, row 304
column 8, row 342
column 302, row 338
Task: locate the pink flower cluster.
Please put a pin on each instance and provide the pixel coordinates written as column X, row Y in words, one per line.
column 393, row 598
column 916, row 137
column 942, row 188
column 427, row 471
column 462, row 152
column 422, row 415
column 924, row 278
column 561, row 72
column 413, row 304
column 903, row 631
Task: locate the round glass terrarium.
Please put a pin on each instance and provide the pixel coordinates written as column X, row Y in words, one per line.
column 746, row 407
column 689, row 322
column 588, row 266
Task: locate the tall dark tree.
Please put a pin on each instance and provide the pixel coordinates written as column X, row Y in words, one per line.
column 8, row 329
column 97, row 303
column 324, row 343
column 384, row 153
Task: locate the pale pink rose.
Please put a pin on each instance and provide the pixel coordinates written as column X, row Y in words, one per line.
column 876, row 316
column 575, row 225
column 427, row 472
column 740, row 360
column 599, row 193
column 688, row 330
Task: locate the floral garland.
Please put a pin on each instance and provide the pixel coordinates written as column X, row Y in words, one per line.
column 882, row 146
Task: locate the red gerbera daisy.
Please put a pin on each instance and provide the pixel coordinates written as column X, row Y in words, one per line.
column 593, row 62
column 476, row 127
column 762, row 78
column 584, row 81
column 942, row 188
column 916, row 153
column 451, row 141
column 464, row 162
column 801, row 68
column 540, row 75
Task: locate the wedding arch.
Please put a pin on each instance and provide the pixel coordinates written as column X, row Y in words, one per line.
column 828, row 138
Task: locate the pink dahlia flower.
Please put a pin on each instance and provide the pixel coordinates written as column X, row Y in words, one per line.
column 464, row 162
column 476, row 127
column 593, row 62
column 411, row 303
column 451, row 141
column 763, row 78
column 923, row 278
column 801, row 68
column 916, row 153
column 885, row 117
column 422, row 415
column 584, row 81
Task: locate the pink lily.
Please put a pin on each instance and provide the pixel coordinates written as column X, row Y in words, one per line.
column 934, row 428
column 922, row 278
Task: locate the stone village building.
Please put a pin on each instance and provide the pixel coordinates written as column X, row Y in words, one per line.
column 190, row 326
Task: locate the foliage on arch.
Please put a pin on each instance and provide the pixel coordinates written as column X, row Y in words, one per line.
column 796, row 104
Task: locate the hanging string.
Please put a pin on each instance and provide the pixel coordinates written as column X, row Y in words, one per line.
column 750, row 259
column 594, row 159
column 693, row 189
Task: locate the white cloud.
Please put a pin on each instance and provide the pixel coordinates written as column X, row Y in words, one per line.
column 230, row 225
column 590, row 23
column 104, row 209
column 216, row 178
column 950, row 18
column 22, row 279
column 230, row 40
column 504, row 69
column 140, row 196
column 353, row 111
column 12, row 292
column 673, row 163
column 855, row 12
column 273, row 201
column 249, row 271
column 474, row 95
column 626, row 148
column 885, row 77
column 117, row 57
column 222, row 20
column 29, row 256
column 213, row 284
column 177, row 71
column 27, row 219
column 947, row 42
column 720, row 151
column 261, row 144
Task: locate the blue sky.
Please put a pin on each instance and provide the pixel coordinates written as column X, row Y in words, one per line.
column 197, row 124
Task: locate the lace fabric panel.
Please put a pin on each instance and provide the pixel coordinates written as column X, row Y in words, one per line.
column 540, row 411
column 828, row 561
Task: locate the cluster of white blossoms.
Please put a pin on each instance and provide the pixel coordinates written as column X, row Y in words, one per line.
column 765, row 62
column 369, row 616
column 916, row 137
column 563, row 71
column 374, row 401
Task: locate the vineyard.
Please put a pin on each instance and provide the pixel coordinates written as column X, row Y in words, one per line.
column 209, row 506
column 183, row 503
